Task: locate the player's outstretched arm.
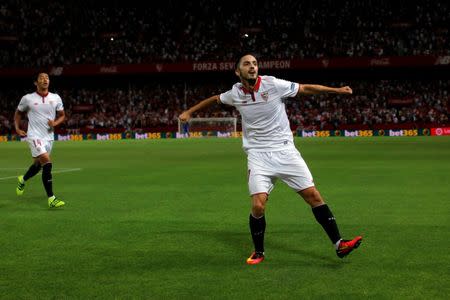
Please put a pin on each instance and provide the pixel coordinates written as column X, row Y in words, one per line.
column 313, row 89
column 186, row 115
column 17, row 118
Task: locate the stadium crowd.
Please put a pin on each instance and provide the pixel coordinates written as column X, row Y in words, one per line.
column 36, row 34
column 155, row 107
column 43, row 33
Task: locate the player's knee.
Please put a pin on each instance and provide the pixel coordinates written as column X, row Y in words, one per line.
column 312, row 196
column 259, row 205
column 316, row 200
column 258, row 210
column 44, row 159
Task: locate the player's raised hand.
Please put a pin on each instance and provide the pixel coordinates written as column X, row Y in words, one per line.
column 185, row 116
column 345, row 90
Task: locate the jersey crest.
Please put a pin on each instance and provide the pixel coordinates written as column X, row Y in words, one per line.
column 265, row 96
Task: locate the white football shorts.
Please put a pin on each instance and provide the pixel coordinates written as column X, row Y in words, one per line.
column 265, row 167
column 38, row 146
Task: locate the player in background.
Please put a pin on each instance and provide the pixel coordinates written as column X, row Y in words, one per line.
column 271, row 153
column 45, row 111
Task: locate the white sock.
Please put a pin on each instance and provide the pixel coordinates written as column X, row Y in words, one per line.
column 336, row 245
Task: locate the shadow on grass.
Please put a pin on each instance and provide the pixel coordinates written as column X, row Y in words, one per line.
column 230, row 249
column 34, row 203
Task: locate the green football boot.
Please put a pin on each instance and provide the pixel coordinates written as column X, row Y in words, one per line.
column 54, row 202
column 20, row 186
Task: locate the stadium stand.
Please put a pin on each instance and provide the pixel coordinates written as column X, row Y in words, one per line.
column 50, row 33
column 375, row 105
column 98, row 32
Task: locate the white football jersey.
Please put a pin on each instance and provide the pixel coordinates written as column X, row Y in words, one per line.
column 40, row 109
column 265, row 124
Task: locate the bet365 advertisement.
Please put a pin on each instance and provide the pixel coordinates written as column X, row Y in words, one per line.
column 217, row 134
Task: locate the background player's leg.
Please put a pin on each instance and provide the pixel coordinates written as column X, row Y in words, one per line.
column 46, row 163
column 32, row 170
column 47, row 181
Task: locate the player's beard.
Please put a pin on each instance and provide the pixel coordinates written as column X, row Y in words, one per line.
column 250, row 81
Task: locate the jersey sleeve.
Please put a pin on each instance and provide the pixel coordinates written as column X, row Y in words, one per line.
column 286, row 88
column 226, row 98
column 59, row 104
column 23, row 104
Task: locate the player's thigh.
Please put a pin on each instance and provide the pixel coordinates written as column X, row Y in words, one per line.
column 37, row 147
column 40, row 150
column 258, row 184
column 294, row 171
column 261, row 176
column 49, row 147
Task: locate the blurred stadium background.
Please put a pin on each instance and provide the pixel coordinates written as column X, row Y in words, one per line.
column 122, row 67
column 142, row 220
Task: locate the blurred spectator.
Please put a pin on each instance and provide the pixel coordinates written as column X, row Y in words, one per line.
column 43, row 33
column 157, row 106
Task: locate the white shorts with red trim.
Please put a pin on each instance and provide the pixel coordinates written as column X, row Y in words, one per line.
column 264, row 168
column 39, row 147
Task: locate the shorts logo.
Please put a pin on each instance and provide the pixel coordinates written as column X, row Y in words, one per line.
column 265, row 96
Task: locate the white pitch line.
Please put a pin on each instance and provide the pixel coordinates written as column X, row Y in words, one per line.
column 60, row 171
column 56, row 169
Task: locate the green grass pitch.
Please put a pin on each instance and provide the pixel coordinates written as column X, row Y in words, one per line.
column 165, row 219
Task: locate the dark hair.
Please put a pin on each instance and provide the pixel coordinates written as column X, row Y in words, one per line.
column 240, row 56
column 37, row 73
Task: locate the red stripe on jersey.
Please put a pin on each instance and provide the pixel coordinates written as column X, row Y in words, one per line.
column 42, row 95
column 258, row 84
column 255, row 88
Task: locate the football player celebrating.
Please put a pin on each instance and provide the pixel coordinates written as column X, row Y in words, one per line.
column 269, row 145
